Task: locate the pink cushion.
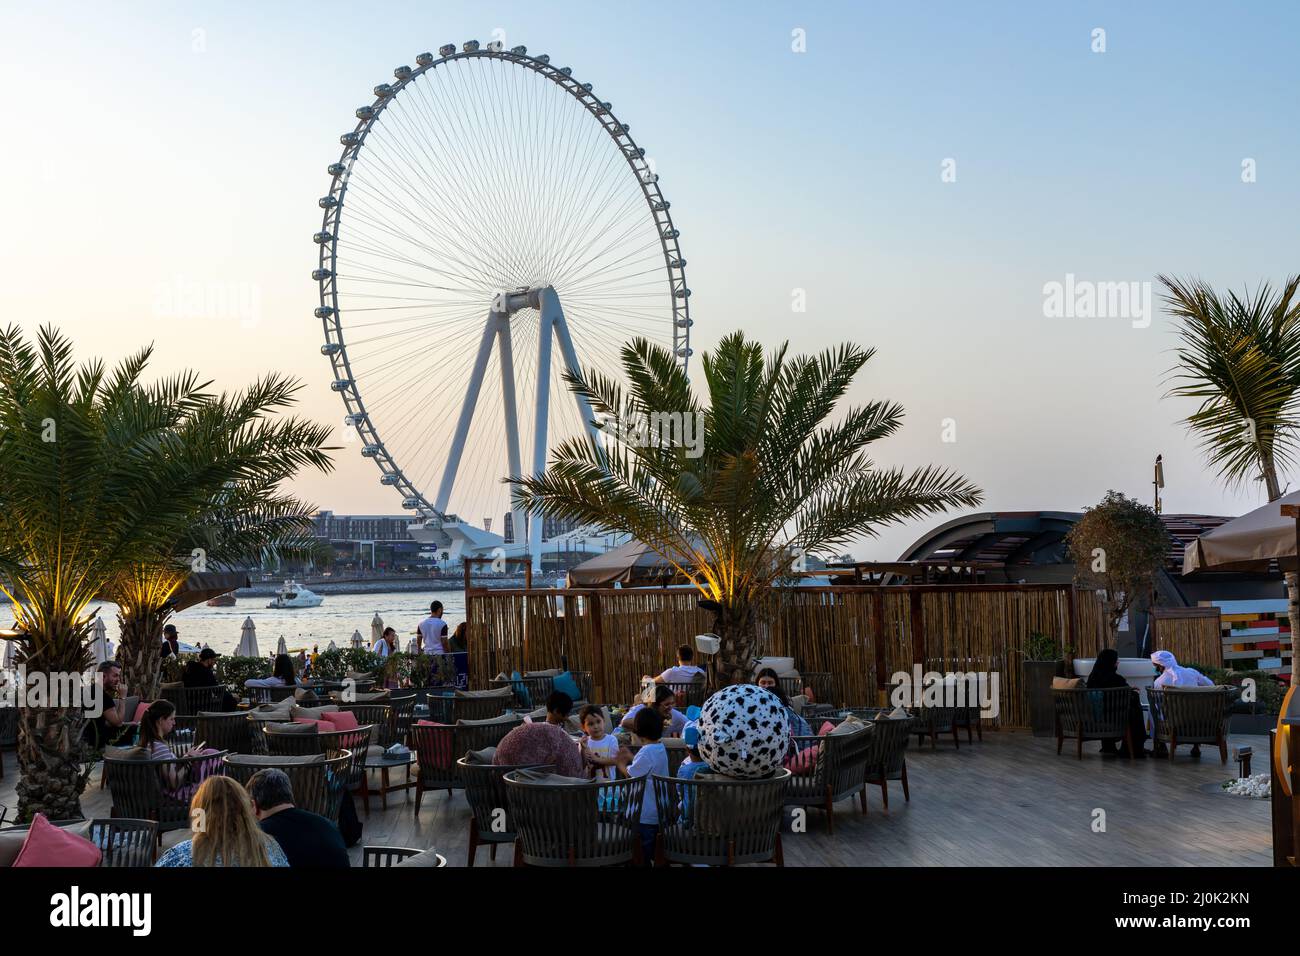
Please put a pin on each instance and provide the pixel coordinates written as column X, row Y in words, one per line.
column 48, row 845
column 140, row 708
column 804, row 762
column 341, row 719
column 826, row 729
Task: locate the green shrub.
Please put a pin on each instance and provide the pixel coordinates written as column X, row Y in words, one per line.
column 1269, row 690
column 335, row 664
column 233, row 671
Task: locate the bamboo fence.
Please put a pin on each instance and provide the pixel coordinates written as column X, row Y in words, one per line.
column 1192, row 634
column 860, row 635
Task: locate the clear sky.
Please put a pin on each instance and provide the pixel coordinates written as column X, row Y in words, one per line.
column 156, row 144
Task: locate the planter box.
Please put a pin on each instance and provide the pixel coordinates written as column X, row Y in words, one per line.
column 1037, row 677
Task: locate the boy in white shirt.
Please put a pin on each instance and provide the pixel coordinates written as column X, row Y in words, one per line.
column 685, row 672
column 650, row 760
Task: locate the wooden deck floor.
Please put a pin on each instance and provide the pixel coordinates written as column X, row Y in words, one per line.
column 1009, row 801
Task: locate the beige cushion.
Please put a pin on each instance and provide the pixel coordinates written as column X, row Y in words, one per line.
column 292, row 728
column 267, row 760
column 359, row 675
column 171, row 685
column 282, row 707
column 503, row 719
column 553, row 672
column 1066, row 683
column 10, row 844
column 501, row 692
column 313, row 713
column 849, row 725
column 375, row 697
column 1194, row 690
column 484, row 756
column 550, row 779
column 425, row 859
column 898, row 713
column 126, row 753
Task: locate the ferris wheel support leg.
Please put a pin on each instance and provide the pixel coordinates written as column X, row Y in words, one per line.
column 571, row 361
column 466, row 413
column 550, row 311
column 514, row 460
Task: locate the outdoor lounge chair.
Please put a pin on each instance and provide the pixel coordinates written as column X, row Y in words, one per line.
column 562, row 821
column 485, row 791
column 136, row 784
column 933, row 721
column 820, row 682
column 355, row 743
column 887, row 758
column 436, row 747
column 969, row 718
column 269, row 695
column 189, row 701
column 837, row 770
column 1190, row 715
column 318, row 781
column 225, row 731
column 381, row 715
column 1092, row 714
column 689, row 694
column 122, row 842
column 719, row 821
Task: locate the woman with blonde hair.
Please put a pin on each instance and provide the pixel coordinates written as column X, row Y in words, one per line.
column 226, row 831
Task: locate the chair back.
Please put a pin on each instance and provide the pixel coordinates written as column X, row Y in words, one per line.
column 318, row 781
column 529, row 692
column 689, row 694
column 479, row 708
column 821, row 683
column 1093, row 713
column 333, row 743
column 222, row 731
column 485, row 791
column 382, row 715
column 188, row 701
column 125, row 842
column 138, row 792
column 436, row 749
column 586, row 824
column 386, row 856
column 888, row 744
column 1190, row 715
column 712, row 819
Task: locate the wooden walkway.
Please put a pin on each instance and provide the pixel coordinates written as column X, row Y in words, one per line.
column 1009, row 801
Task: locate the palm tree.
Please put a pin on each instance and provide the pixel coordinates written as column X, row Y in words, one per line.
column 231, row 449
column 99, row 481
column 773, row 480
column 1240, row 359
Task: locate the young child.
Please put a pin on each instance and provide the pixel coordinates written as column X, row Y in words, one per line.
column 599, row 747
column 650, row 760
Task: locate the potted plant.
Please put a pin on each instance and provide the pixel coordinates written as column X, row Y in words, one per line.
column 1044, row 658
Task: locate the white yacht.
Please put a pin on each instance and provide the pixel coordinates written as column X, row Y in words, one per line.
column 293, row 594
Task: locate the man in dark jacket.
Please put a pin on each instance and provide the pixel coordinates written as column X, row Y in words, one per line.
column 202, row 673
column 308, row 839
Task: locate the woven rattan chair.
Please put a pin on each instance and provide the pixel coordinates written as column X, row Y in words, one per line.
column 232, row 732
column 381, row 714
column 480, row 708
column 1186, row 716
column 585, row 824
column 933, row 721
column 1092, row 714
column 719, row 821
column 887, row 760
column 137, row 788
column 821, row 683
column 529, row 692
column 8, row 733
column 189, row 701
column 839, row 771
column 436, row 749
column 269, row 695
column 403, row 714
column 969, row 718
column 690, row 694
column 355, row 743
column 319, row 782
column 257, row 727
column 122, row 842
column 489, row 804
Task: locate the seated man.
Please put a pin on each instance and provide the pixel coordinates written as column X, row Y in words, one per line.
column 685, row 672
column 202, row 673
column 544, row 744
column 308, row 839
column 107, row 728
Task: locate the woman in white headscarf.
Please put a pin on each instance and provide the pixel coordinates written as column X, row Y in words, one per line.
column 1172, row 675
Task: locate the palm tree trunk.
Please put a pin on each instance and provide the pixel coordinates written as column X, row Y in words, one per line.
column 737, row 629
column 141, row 650
column 1274, row 487
column 50, row 758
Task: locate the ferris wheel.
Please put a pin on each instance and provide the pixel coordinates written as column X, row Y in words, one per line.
column 489, row 224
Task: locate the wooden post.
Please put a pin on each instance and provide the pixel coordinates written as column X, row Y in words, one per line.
column 528, row 571
column 598, row 652
column 465, row 563
column 878, row 626
column 918, row 629
column 1071, row 631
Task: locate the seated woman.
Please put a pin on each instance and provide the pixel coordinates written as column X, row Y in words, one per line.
column 768, row 680
column 281, row 676
column 664, row 702
column 181, row 782
column 229, row 834
column 1105, row 673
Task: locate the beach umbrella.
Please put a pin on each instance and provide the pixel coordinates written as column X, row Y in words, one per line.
column 332, row 647
column 1248, row 543
column 376, row 629
column 99, row 646
column 248, row 640
column 282, row 647
column 356, row 639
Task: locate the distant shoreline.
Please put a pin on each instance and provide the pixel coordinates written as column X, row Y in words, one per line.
column 403, row 585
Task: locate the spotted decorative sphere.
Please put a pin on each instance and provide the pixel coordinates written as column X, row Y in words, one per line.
column 744, row 732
